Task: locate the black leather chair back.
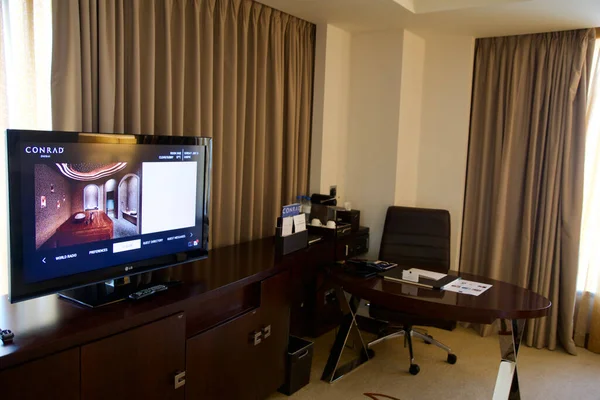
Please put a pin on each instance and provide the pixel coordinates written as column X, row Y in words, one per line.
column 417, row 237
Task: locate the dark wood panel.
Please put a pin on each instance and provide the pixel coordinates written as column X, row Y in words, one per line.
column 204, row 314
column 274, row 312
column 305, row 307
column 221, row 363
column 52, row 377
column 141, row 362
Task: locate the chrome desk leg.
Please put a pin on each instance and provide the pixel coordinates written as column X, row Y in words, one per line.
column 507, row 382
column 333, row 371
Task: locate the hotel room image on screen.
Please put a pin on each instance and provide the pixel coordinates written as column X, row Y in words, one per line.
column 96, row 205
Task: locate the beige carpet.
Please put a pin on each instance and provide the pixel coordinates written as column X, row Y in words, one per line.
column 543, row 374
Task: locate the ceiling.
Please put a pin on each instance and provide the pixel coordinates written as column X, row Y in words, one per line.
column 479, row 18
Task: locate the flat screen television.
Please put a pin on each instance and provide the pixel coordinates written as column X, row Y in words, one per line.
column 86, row 208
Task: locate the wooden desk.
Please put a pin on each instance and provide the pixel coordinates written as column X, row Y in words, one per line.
column 509, row 303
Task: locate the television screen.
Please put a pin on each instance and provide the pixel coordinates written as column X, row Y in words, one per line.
column 86, row 208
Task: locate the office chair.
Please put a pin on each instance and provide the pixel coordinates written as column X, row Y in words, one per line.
column 419, row 238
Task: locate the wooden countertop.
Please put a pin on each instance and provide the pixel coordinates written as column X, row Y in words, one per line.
column 47, row 325
column 502, row 300
column 100, row 221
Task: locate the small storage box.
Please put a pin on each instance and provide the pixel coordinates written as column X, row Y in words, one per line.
column 298, row 365
column 288, row 244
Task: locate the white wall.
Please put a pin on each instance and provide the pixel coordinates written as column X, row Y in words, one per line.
column 445, row 120
column 400, row 103
column 330, row 110
column 374, row 114
column 409, row 125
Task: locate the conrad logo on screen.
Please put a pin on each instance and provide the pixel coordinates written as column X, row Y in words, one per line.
column 128, row 268
column 44, row 150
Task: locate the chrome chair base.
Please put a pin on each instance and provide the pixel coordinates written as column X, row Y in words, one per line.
column 408, row 334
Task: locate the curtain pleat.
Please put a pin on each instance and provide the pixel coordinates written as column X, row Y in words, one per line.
column 525, row 172
column 3, row 182
column 587, row 309
column 234, row 70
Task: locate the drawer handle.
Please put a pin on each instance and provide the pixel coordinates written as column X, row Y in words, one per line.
column 179, row 379
column 303, row 354
column 255, row 338
column 266, row 331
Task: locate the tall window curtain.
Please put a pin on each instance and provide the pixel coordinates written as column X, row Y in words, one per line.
column 235, row 70
column 587, row 319
column 524, row 190
column 25, row 46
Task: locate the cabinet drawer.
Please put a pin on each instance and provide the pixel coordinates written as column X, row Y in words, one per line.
column 226, row 363
column 139, row 363
column 220, row 363
column 52, row 377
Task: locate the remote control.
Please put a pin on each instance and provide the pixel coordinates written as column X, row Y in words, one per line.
column 147, row 292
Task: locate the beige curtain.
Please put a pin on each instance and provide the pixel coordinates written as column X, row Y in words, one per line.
column 3, row 126
column 24, row 86
column 587, row 320
column 525, row 172
column 234, row 70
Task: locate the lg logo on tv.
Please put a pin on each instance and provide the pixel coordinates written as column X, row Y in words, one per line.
column 128, row 268
column 44, row 150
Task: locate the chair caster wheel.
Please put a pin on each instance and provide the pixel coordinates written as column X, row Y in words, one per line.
column 451, row 358
column 414, row 369
column 427, row 341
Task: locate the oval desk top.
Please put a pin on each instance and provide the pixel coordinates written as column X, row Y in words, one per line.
column 503, row 300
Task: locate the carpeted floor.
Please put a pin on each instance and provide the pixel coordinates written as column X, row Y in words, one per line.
column 543, row 374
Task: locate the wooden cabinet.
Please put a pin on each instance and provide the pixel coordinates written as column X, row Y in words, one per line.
column 219, row 362
column 134, row 349
column 227, row 362
column 312, row 315
column 315, row 309
column 52, row 377
column 139, row 363
column 275, row 314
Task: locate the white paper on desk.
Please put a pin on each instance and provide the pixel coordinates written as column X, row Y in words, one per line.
column 286, row 226
column 299, row 222
column 427, row 274
column 408, row 275
column 467, row 287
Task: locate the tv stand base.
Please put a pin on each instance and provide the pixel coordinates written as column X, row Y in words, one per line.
column 98, row 295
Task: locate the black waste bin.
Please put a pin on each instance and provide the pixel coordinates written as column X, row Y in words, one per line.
column 298, row 363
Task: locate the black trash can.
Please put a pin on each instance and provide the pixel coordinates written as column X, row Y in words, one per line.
column 298, row 363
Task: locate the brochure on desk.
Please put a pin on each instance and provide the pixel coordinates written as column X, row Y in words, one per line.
column 463, row 286
column 436, row 280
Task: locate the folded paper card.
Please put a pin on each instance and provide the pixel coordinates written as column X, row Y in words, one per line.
column 299, row 222
column 286, row 226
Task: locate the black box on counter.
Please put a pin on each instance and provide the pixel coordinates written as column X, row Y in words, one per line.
column 340, row 230
column 290, row 243
column 351, row 217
